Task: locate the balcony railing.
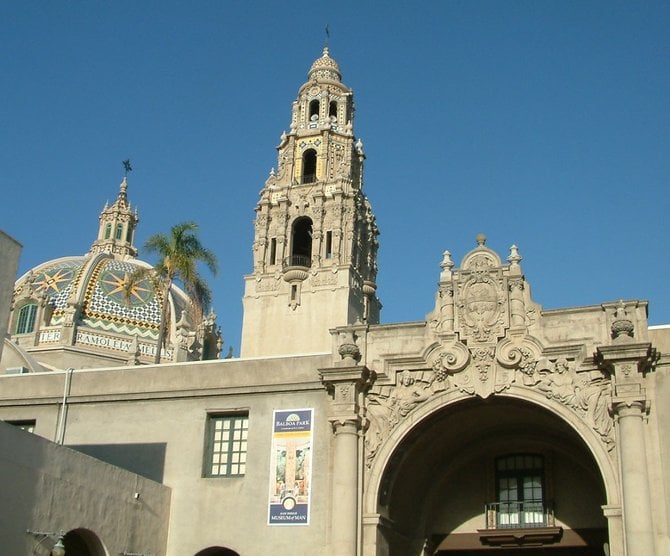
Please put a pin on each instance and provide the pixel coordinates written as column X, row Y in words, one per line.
column 527, row 514
column 296, row 260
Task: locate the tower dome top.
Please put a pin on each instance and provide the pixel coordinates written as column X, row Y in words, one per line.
column 325, row 68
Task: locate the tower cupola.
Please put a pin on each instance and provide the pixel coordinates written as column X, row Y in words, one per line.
column 117, row 226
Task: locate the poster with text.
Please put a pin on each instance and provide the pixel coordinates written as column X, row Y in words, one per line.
column 291, row 467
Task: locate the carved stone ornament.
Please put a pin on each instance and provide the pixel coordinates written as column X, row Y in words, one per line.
column 488, row 370
column 450, row 359
column 482, row 303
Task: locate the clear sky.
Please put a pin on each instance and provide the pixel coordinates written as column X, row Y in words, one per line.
column 543, row 124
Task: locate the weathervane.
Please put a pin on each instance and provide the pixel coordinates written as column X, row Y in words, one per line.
column 327, row 35
column 127, row 167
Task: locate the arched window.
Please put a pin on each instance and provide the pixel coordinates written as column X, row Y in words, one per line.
column 301, row 242
column 129, row 235
column 309, row 166
column 314, row 110
column 108, row 231
column 119, row 231
column 25, row 323
column 332, row 110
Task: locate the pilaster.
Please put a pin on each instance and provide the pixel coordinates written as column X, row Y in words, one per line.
column 346, row 382
column 628, row 362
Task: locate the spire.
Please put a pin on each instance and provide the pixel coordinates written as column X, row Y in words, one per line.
column 117, row 224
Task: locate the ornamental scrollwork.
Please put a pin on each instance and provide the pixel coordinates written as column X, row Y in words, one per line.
column 450, row 359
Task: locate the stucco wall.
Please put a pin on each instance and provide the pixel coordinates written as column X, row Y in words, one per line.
column 9, row 261
column 51, row 488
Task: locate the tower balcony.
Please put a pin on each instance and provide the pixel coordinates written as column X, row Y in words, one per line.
column 296, row 268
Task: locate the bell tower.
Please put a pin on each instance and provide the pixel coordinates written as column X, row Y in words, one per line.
column 315, row 241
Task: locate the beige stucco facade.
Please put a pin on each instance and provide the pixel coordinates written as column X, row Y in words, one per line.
column 490, row 427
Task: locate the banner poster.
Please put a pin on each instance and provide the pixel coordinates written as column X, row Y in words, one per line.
column 291, row 467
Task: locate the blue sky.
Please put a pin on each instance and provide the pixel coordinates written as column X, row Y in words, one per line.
column 543, row 124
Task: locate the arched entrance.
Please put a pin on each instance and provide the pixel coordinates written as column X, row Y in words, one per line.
column 83, row 542
column 497, row 475
column 217, row 551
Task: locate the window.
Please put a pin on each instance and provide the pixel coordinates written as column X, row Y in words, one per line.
column 108, row 231
column 226, row 445
column 25, row 323
column 119, row 231
column 28, row 425
column 329, row 245
column 309, row 166
column 273, row 250
column 520, row 488
column 332, row 110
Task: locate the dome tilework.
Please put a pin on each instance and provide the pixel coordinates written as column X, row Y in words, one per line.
column 106, row 300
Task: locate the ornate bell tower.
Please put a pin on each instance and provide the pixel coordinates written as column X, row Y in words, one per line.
column 315, row 242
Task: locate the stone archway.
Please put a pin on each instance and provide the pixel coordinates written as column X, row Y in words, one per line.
column 83, row 542
column 440, row 488
column 217, row 551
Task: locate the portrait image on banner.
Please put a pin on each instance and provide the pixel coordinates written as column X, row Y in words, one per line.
column 291, row 467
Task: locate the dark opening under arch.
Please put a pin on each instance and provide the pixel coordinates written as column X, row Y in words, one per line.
column 314, row 110
column 301, row 242
column 217, row 551
column 309, row 166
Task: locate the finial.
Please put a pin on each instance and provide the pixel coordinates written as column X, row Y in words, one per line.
column 272, row 171
column 359, row 146
column 481, row 240
column 622, row 326
column 514, row 257
column 447, row 263
column 325, row 42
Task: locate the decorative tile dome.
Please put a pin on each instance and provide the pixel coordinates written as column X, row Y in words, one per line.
column 325, row 68
column 96, row 284
column 89, row 305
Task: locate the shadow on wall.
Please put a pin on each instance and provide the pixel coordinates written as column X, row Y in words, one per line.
column 147, row 460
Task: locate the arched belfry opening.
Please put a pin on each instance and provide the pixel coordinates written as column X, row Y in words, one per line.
column 314, row 108
column 301, row 242
column 332, row 110
column 512, row 477
column 309, row 166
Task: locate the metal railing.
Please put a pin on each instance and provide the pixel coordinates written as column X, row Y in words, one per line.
column 524, row 514
column 296, row 260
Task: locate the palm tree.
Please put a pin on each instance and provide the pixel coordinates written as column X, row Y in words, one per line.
column 179, row 253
